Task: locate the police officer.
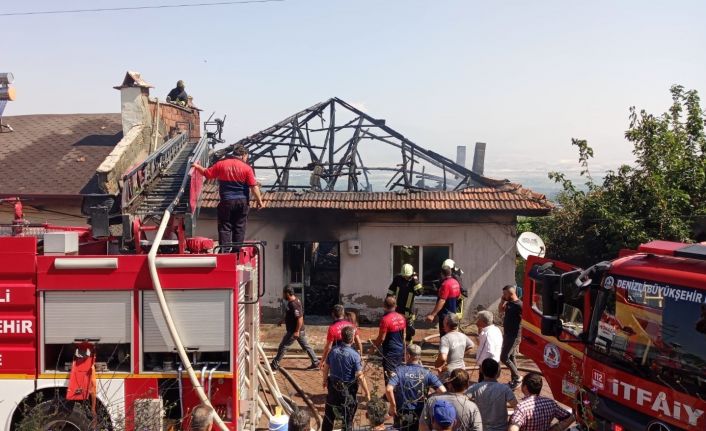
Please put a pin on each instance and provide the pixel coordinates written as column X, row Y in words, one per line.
column 404, row 288
column 342, row 371
column 408, row 388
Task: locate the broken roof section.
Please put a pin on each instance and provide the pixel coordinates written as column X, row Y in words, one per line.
column 333, row 146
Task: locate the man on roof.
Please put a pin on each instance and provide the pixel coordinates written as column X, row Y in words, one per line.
column 178, row 95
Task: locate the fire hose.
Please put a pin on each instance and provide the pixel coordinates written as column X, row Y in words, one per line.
column 151, row 262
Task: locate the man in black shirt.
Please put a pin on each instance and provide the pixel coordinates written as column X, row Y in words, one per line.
column 178, row 94
column 404, row 288
column 294, row 324
column 511, row 307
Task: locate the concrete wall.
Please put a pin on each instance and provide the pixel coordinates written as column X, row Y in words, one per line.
column 485, row 250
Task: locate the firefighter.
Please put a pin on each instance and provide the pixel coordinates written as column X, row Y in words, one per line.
column 404, row 288
column 390, row 337
column 447, row 300
column 236, row 180
column 178, row 95
column 456, row 273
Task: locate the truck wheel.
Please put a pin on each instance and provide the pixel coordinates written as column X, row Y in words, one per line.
column 53, row 416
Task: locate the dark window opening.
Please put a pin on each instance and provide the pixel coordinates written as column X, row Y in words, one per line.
column 313, row 269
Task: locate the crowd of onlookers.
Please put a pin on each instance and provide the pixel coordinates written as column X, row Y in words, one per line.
column 444, row 396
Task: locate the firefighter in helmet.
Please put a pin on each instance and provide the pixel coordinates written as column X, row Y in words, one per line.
column 456, row 274
column 404, row 287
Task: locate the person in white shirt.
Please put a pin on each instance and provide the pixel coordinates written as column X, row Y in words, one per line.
column 452, row 347
column 490, row 339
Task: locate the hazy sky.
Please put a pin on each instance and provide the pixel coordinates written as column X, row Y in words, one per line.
column 523, row 76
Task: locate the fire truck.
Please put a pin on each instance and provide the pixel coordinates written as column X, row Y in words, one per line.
column 623, row 341
column 94, row 335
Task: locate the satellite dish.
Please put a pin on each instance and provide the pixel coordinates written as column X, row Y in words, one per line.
column 530, row 244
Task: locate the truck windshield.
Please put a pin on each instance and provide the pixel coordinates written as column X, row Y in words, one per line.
column 654, row 330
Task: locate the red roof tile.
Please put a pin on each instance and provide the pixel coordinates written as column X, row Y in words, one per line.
column 508, row 197
column 55, row 155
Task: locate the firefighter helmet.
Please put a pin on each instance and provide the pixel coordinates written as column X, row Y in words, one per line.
column 449, row 263
column 407, row 270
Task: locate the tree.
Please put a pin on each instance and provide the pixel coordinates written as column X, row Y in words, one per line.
column 660, row 197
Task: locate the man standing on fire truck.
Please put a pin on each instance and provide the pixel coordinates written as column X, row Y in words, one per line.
column 236, row 180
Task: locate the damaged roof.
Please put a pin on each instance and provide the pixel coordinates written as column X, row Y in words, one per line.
column 509, row 197
column 55, row 155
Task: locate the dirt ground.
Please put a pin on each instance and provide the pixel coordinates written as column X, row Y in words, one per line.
column 296, row 363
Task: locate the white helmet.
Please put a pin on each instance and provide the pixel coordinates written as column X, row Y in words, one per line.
column 449, row 263
column 407, row 270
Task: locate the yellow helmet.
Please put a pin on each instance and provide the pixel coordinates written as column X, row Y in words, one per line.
column 407, row 270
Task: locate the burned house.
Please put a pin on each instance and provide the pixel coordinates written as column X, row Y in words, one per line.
column 349, row 200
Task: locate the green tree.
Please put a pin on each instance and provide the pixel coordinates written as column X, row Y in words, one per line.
column 659, row 197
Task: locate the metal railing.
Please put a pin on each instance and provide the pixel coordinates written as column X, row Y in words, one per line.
column 135, row 181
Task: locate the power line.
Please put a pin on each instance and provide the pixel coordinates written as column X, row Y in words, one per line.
column 114, row 9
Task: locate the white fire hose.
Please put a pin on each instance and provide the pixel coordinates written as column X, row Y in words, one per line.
column 151, row 262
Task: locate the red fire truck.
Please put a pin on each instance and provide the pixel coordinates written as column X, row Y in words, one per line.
column 623, row 341
column 59, row 307
column 96, row 340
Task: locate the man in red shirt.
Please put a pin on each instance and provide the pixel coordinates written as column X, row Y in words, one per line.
column 391, row 336
column 447, row 300
column 236, row 180
column 334, row 336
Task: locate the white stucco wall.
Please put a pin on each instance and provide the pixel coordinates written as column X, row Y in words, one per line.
column 485, row 251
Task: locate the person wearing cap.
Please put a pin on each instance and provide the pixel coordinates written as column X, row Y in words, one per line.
column 407, row 390
column 236, row 180
column 447, row 298
column 390, row 337
column 178, row 94
column 342, row 372
column 467, row 417
column 443, row 416
column 452, row 347
column 492, row 397
column 404, row 287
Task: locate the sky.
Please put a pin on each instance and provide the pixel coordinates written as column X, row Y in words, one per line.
column 524, row 77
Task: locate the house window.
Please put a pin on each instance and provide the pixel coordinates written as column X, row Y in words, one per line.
column 427, row 257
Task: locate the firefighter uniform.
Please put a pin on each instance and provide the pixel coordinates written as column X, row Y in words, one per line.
column 404, row 288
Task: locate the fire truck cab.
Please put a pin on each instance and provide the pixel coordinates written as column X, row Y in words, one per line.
column 59, row 307
column 623, row 341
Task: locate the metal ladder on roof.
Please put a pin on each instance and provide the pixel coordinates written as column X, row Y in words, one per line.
column 164, row 179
